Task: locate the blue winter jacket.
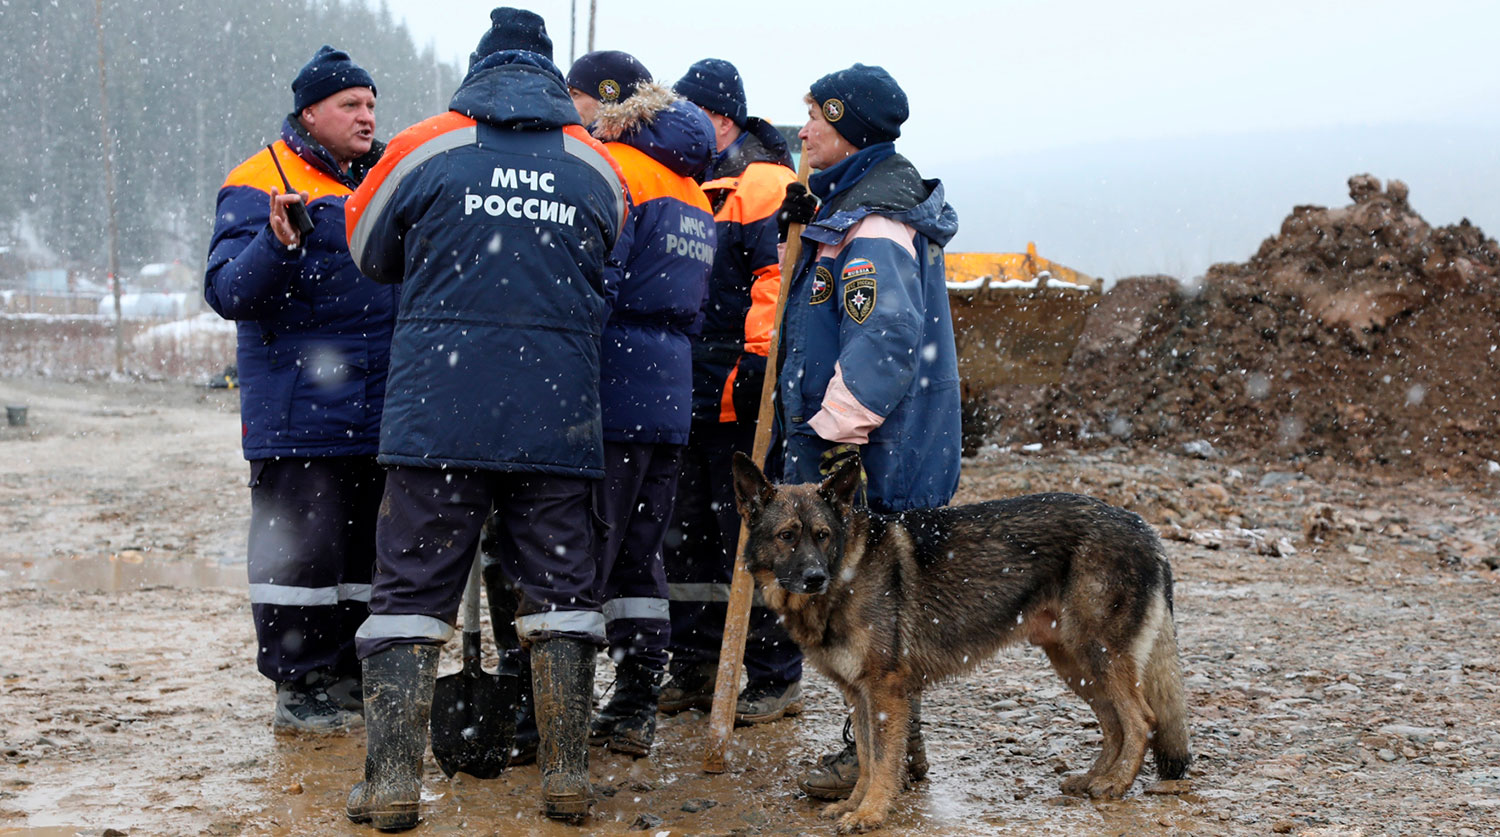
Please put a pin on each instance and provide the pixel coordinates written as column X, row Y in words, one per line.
column 661, row 265
column 860, row 299
column 497, row 218
column 314, row 337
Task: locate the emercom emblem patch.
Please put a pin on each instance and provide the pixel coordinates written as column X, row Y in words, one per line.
column 859, row 298
column 822, row 285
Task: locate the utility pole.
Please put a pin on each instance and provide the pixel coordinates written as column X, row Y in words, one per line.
column 572, row 31
column 593, row 12
column 109, row 191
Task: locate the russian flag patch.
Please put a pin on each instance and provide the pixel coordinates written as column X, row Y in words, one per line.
column 858, row 267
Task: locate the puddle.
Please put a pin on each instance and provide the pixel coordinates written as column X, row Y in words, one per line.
column 120, row 572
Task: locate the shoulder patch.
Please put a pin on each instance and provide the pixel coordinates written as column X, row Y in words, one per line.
column 859, row 298
column 822, row 285
column 858, row 267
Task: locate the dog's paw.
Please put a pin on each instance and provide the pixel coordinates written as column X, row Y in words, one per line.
column 1095, row 787
column 834, row 810
column 861, row 819
column 1077, row 785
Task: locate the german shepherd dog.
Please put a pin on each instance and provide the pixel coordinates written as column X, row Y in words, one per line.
column 886, row 604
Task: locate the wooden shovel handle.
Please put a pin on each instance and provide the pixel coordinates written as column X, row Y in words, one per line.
column 741, row 589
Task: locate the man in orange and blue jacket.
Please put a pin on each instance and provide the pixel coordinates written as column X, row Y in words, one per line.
column 660, row 279
column 314, row 343
column 746, row 185
column 496, row 217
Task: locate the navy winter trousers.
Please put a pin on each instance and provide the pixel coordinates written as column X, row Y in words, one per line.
column 312, row 551
column 427, row 537
column 699, row 551
column 635, row 499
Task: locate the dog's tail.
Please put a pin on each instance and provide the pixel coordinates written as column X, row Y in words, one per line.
column 1165, row 695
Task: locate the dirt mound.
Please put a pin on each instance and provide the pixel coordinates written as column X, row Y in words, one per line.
column 1361, row 334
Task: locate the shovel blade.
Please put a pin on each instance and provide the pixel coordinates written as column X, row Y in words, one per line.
column 474, row 721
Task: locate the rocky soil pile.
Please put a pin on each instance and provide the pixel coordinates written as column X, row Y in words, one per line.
column 1361, row 335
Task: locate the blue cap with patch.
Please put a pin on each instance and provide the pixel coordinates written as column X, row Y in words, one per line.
column 863, row 103
column 608, row 75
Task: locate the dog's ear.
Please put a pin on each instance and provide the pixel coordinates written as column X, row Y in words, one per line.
column 842, row 486
column 752, row 491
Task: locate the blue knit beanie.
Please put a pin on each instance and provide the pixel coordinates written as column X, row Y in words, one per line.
column 714, row 85
column 608, row 75
column 329, row 71
column 863, row 103
column 513, row 29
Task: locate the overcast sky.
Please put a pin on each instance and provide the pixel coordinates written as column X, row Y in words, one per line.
column 1002, row 90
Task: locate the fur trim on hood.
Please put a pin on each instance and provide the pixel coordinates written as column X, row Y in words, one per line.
column 620, row 119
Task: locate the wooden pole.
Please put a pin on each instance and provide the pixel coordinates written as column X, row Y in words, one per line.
column 109, row 191
column 742, row 588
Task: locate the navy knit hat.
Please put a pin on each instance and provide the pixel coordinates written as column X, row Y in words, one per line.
column 863, row 103
column 513, row 29
column 608, row 75
column 329, row 71
column 714, row 85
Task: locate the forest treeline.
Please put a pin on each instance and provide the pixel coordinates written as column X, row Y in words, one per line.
column 194, row 87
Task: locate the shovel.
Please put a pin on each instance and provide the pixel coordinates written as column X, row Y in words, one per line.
column 473, row 711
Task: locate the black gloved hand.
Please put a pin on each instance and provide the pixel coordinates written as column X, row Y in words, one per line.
column 799, row 207
column 837, row 456
column 748, row 380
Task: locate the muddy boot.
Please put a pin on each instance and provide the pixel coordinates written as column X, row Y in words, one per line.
column 310, row 705
column 523, row 748
column 513, row 660
column 347, row 692
column 628, row 722
column 838, row 773
column 691, row 687
column 563, row 686
column 398, row 686
column 762, row 703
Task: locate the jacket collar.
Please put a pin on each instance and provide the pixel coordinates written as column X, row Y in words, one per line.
column 314, row 154
column 838, row 178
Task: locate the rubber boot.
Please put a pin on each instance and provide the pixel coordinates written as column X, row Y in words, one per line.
column 513, row 660
column 398, row 685
column 562, row 673
column 523, row 747
column 838, row 773
column 627, row 724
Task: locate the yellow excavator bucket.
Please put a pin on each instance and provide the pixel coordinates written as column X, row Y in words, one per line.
column 1016, row 317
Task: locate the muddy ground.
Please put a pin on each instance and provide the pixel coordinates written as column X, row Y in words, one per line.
column 1336, row 624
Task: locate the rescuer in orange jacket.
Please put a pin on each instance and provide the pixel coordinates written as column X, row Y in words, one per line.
column 746, row 185
column 660, row 276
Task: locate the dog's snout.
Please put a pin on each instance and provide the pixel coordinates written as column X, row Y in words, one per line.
column 815, row 579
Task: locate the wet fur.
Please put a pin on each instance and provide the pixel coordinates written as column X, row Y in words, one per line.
column 616, row 119
column 916, row 597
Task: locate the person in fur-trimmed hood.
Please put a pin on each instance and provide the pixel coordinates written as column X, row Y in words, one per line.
column 660, row 282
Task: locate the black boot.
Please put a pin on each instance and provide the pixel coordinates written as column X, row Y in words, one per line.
column 838, row 773
column 563, row 684
column 398, row 707
column 628, row 722
column 513, row 660
column 523, row 748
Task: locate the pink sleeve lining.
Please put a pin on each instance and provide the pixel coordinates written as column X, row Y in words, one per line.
column 843, row 418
